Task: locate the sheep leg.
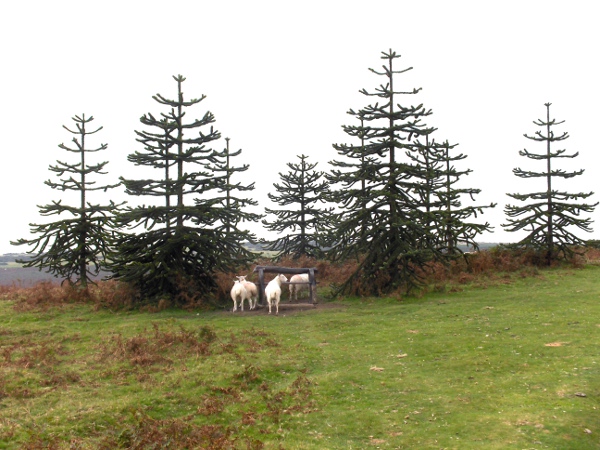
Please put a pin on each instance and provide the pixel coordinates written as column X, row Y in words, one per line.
column 294, row 290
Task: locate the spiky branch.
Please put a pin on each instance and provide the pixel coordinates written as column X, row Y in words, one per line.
column 74, row 249
column 549, row 217
column 304, row 223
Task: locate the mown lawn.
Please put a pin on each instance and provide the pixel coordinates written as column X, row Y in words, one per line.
column 507, row 364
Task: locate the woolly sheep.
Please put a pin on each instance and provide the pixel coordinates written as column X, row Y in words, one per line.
column 295, row 288
column 273, row 292
column 239, row 293
column 251, row 289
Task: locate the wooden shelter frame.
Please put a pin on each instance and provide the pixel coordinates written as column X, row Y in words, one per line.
column 312, row 280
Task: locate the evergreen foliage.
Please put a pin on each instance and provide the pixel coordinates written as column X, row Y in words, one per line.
column 74, row 248
column 550, row 212
column 426, row 158
column 442, row 199
column 181, row 245
column 383, row 220
column 232, row 205
column 300, row 192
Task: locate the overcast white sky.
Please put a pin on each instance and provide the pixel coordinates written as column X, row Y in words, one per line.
column 280, row 77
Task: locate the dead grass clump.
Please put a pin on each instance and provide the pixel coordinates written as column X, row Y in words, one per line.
column 438, row 272
column 480, row 262
column 248, row 418
column 158, row 347
column 225, row 282
column 189, row 295
column 137, row 350
column 210, row 405
column 192, row 342
column 592, row 254
column 249, row 375
column 465, row 278
column 45, row 294
column 295, row 399
column 41, row 296
column 29, row 365
column 7, row 291
column 250, row 345
column 37, row 442
column 340, row 272
column 8, row 427
column 146, row 432
column 529, row 272
column 500, row 259
column 60, row 379
column 581, row 257
column 114, row 295
column 29, row 354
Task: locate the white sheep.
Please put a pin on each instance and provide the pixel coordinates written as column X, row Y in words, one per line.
column 239, row 293
column 273, row 291
column 251, row 289
column 295, row 288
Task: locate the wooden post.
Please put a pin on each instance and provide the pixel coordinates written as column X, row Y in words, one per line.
column 313, row 286
column 261, row 286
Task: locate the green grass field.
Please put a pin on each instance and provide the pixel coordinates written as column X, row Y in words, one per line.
column 513, row 365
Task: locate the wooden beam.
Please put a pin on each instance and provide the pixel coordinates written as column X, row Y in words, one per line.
column 287, row 270
column 284, row 270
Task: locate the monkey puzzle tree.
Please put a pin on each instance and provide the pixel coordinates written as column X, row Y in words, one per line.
column 181, row 245
column 442, row 199
column 426, row 157
column 551, row 211
column 353, row 178
column 74, row 247
column 301, row 189
column 233, row 212
column 382, row 219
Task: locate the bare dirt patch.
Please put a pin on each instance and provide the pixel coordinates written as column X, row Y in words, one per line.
column 288, row 309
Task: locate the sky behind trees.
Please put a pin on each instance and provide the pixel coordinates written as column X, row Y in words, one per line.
column 280, row 77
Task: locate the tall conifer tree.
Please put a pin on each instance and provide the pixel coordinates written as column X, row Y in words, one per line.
column 75, row 248
column 391, row 232
column 443, row 198
column 233, row 206
column 182, row 244
column 426, row 157
column 352, row 176
column 551, row 212
column 454, row 218
column 302, row 221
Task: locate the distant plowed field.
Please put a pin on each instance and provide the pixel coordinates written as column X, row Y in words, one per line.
column 21, row 276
